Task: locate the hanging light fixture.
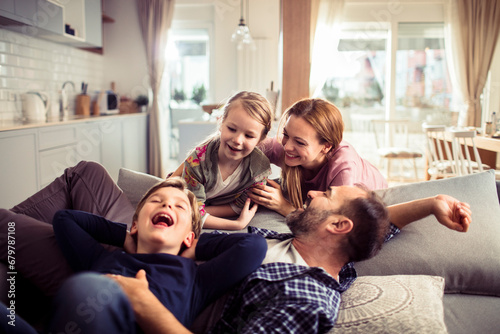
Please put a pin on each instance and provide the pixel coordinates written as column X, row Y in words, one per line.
column 242, row 34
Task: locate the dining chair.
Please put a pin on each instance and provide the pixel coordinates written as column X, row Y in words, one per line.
column 463, row 142
column 393, row 143
column 440, row 162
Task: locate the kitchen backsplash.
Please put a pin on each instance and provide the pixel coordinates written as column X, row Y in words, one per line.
column 31, row 64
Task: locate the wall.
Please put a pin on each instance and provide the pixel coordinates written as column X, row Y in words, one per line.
column 28, row 63
column 263, row 21
column 124, row 52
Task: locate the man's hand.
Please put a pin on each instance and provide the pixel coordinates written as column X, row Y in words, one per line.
column 271, row 197
column 135, row 288
column 150, row 313
column 452, row 213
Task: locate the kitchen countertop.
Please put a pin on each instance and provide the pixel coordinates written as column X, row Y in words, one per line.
column 9, row 125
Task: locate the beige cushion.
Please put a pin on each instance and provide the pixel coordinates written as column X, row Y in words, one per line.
column 392, row 304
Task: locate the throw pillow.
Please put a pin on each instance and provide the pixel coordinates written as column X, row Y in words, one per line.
column 392, row 304
column 469, row 262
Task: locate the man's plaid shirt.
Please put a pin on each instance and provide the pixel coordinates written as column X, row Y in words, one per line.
column 286, row 298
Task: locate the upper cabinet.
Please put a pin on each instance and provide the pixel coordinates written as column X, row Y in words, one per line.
column 75, row 22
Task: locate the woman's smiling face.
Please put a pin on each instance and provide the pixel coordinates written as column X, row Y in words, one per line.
column 301, row 144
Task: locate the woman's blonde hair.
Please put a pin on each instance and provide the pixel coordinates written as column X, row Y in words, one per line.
column 326, row 119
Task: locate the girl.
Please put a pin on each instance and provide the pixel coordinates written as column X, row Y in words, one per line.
column 222, row 169
column 312, row 156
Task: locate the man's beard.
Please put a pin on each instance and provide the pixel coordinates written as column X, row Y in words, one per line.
column 302, row 221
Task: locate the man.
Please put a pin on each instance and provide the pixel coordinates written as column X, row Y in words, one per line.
column 301, row 292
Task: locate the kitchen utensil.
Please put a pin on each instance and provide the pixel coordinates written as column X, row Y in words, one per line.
column 35, row 106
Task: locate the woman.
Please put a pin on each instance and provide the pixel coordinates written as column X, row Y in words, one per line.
column 312, row 156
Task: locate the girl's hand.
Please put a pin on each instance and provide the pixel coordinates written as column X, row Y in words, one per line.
column 246, row 214
column 271, row 197
column 129, row 245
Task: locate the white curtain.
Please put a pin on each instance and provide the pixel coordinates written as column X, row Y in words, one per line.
column 326, row 40
column 472, row 28
column 155, row 17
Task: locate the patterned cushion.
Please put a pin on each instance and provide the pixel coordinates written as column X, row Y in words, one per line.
column 392, row 304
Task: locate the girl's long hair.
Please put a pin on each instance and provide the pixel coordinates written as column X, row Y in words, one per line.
column 326, row 119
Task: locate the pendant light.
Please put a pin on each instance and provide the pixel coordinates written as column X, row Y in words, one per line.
column 242, row 34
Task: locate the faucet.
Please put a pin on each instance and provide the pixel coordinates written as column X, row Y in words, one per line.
column 64, row 99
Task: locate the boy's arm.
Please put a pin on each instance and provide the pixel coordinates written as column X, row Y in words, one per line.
column 229, row 258
column 80, row 234
column 449, row 212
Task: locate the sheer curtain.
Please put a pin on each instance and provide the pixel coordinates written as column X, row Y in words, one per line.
column 155, row 17
column 472, row 29
column 326, row 40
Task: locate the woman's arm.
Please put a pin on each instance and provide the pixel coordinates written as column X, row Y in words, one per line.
column 449, row 211
column 271, row 197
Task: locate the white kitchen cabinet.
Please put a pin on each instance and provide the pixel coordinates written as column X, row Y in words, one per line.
column 18, row 166
column 57, row 151
column 47, row 19
column 135, row 153
column 32, row 158
column 112, row 148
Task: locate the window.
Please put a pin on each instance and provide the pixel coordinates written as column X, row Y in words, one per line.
column 188, row 59
column 423, row 87
column 391, row 64
column 357, row 85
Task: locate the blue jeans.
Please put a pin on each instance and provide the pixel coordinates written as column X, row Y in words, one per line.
column 91, row 303
column 11, row 323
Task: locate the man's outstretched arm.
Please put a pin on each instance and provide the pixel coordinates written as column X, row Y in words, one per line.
column 151, row 315
column 449, row 211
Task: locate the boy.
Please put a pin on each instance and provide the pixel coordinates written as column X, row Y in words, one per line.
column 166, row 224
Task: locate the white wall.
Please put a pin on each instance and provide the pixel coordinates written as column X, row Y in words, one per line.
column 124, row 52
column 263, row 21
column 28, row 63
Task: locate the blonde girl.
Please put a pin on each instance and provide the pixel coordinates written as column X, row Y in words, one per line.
column 221, row 170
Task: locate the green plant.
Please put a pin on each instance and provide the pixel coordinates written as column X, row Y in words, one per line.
column 142, row 100
column 179, row 95
column 199, row 93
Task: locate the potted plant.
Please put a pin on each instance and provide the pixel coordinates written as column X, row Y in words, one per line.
column 199, row 94
column 142, row 102
column 179, row 95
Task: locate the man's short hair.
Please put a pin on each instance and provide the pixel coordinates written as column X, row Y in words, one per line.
column 370, row 226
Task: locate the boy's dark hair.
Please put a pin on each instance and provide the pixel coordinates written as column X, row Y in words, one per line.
column 175, row 182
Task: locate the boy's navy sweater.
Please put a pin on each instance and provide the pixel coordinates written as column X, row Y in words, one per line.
column 181, row 285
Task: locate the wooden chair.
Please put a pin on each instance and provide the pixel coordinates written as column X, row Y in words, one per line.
column 392, row 141
column 462, row 144
column 440, row 162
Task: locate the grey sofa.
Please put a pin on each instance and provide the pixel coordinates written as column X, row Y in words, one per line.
column 401, row 289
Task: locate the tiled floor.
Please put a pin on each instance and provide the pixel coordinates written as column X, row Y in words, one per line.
column 365, row 145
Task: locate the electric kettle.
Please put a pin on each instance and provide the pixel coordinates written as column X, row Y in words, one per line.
column 35, row 106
